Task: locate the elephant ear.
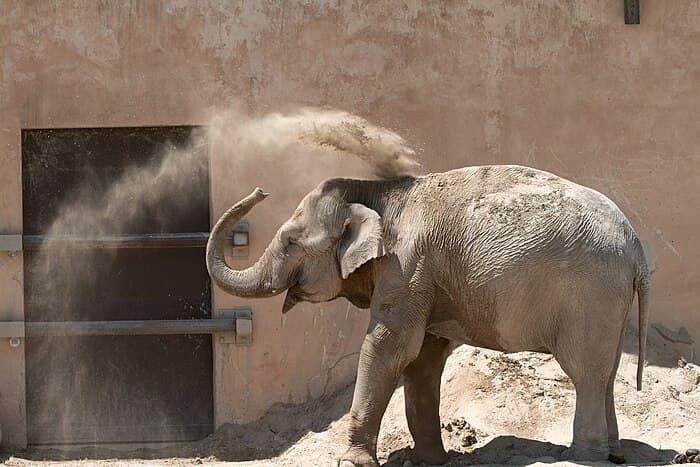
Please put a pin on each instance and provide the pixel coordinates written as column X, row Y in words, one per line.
column 362, row 239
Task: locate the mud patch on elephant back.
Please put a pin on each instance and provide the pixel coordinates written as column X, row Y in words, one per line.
column 529, row 207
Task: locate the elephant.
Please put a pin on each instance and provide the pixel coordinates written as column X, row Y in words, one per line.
column 503, row 257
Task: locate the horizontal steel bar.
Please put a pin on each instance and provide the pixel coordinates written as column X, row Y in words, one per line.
column 159, row 240
column 130, row 328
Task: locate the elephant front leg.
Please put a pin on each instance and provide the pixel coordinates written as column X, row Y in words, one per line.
column 385, row 353
column 422, row 391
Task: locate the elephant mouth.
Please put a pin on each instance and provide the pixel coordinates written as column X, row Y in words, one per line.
column 294, row 296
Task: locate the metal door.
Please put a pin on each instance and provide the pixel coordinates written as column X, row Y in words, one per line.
column 115, row 388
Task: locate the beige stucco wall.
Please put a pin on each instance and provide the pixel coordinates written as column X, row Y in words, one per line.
column 561, row 85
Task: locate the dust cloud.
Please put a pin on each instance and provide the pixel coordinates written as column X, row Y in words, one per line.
column 78, row 385
column 330, row 137
column 136, row 194
column 288, row 153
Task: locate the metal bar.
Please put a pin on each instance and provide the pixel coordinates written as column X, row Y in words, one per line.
column 130, row 328
column 160, row 240
column 72, row 435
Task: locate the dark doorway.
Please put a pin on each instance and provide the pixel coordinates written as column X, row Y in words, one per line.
column 92, row 183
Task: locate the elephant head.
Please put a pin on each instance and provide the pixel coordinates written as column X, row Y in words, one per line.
column 312, row 256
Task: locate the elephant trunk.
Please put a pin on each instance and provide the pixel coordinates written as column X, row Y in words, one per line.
column 255, row 281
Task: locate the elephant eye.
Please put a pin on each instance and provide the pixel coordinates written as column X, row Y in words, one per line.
column 289, row 245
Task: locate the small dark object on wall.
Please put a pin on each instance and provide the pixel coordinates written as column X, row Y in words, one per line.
column 631, row 11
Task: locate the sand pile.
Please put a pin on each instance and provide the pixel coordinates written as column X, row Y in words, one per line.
column 512, row 409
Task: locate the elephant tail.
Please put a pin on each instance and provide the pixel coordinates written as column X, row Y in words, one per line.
column 642, row 287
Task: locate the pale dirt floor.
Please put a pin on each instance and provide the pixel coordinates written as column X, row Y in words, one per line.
column 497, row 409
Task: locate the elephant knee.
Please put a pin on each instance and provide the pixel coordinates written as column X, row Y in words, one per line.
column 395, row 348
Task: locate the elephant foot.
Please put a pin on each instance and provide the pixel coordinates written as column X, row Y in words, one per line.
column 617, row 458
column 428, row 456
column 355, row 457
column 616, row 455
column 585, row 453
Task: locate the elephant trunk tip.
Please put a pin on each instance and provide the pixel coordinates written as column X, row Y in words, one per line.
column 249, row 282
column 259, row 193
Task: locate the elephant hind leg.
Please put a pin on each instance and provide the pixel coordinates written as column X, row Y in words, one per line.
column 422, row 394
column 590, row 440
column 616, row 454
column 588, row 354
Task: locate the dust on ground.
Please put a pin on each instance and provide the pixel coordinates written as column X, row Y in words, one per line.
column 496, row 409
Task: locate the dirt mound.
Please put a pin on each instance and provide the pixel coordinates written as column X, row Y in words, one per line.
column 282, row 427
column 496, row 409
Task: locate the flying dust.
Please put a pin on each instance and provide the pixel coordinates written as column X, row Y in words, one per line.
column 318, row 132
column 288, row 152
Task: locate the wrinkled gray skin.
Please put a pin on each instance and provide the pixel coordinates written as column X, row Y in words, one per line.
column 503, row 257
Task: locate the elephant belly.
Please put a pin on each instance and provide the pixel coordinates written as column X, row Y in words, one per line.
column 475, row 327
column 510, row 327
column 453, row 330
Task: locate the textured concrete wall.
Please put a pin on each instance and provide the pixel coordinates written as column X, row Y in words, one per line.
column 565, row 86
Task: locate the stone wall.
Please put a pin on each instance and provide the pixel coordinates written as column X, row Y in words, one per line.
column 564, row 86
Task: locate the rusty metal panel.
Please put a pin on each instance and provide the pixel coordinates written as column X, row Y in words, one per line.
column 95, row 389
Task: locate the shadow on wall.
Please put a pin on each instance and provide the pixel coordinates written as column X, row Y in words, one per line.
column 665, row 347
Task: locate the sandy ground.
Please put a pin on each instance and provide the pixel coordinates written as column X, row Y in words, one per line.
column 496, row 409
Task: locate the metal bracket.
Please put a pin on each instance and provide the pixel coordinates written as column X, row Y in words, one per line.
column 11, row 329
column 243, row 316
column 240, row 237
column 10, row 242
